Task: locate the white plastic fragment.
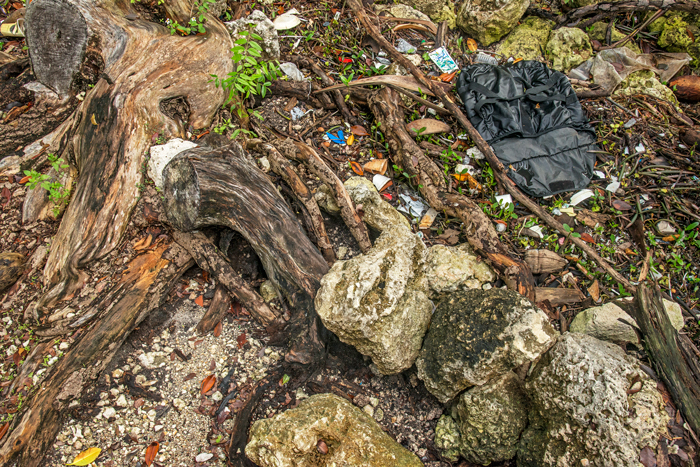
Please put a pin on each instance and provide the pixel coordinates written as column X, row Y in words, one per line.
column 504, row 200
column 291, row 70
column 640, row 148
column 162, row 154
column 405, row 47
column 286, row 21
column 537, row 230
column 203, row 457
column 380, row 181
column 500, row 227
column 413, row 207
column 665, row 228
column 474, row 153
column 427, row 221
column 580, row 196
column 613, row 186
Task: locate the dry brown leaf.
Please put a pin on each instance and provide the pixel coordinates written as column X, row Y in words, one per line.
column 217, row 329
column 208, row 383
column 151, row 452
column 357, row 168
column 241, row 340
column 426, row 126
column 358, row 130
column 647, row 457
column 594, row 290
column 587, row 238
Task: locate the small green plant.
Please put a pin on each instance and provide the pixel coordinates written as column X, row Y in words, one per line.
column 58, row 193
column 196, row 23
column 251, row 74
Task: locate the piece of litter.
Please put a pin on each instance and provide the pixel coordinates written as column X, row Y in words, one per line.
column 474, row 153
column 340, row 139
column 441, row 58
column 291, row 70
column 297, row 113
column 537, row 230
column 381, row 182
column 286, row 21
column 484, row 58
column 203, row 457
column 568, row 211
column 630, row 123
column 413, row 207
column 640, row 148
column 556, row 212
column 405, row 47
column 580, row 196
column 504, row 200
column 613, row 186
column 428, row 219
column 665, row 228
column 599, row 174
column 462, row 168
column 162, row 154
column 500, row 227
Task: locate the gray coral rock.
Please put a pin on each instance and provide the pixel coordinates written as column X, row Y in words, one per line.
column 489, row 20
column 453, row 268
column 352, row 437
column 378, row 214
column 263, row 27
column 378, row 302
column 477, row 335
column 489, row 420
column 580, row 407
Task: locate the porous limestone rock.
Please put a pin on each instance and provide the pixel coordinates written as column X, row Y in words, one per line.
column 437, row 10
column 603, row 322
column 527, row 40
column 477, row 335
column 400, row 10
column 268, row 291
column 568, row 48
column 645, row 82
column 326, row 201
column 378, row 214
column 453, row 268
column 489, row 420
column 161, row 154
column 489, row 20
column 448, row 438
column 263, row 27
column 580, row 407
column 352, row 437
column 378, row 302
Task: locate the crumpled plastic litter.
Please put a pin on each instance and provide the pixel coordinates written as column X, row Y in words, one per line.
column 412, row 206
column 485, row 58
column 297, row 113
column 292, row 71
column 610, row 67
column 405, row 47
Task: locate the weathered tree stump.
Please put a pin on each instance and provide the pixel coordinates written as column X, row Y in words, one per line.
column 11, row 267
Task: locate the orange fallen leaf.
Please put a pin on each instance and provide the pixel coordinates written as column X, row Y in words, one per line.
column 151, row 452
column 671, row 238
column 587, row 238
column 24, row 180
column 208, row 383
column 472, row 45
column 326, row 144
column 350, row 140
column 358, row 130
column 217, row 329
column 199, row 300
column 3, row 430
column 447, row 77
column 357, row 168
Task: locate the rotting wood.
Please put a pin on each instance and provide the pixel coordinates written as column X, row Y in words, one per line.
column 558, row 296
column 11, row 267
column 141, row 288
column 483, row 146
column 110, row 132
column 219, row 306
column 310, row 157
column 224, row 187
column 675, row 357
column 608, row 9
column 284, row 169
column 208, row 257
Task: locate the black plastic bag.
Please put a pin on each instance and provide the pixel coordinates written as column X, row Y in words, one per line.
column 532, row 119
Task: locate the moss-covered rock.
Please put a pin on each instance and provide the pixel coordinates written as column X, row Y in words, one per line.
column 598, row 31
column 378, row 302
column 645, row 82
column 489, row 20
column 568, row 48
column 674, row 35
column 694, row 52
column 352, row 437
column 490, row 419
column 581, row 407
column 437, row 10
column 448, row 438
column 477, row 335
column 527, row 40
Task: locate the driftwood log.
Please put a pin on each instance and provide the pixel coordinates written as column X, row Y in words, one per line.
column 675, row 357
column 224, row 187
column 109, row 134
